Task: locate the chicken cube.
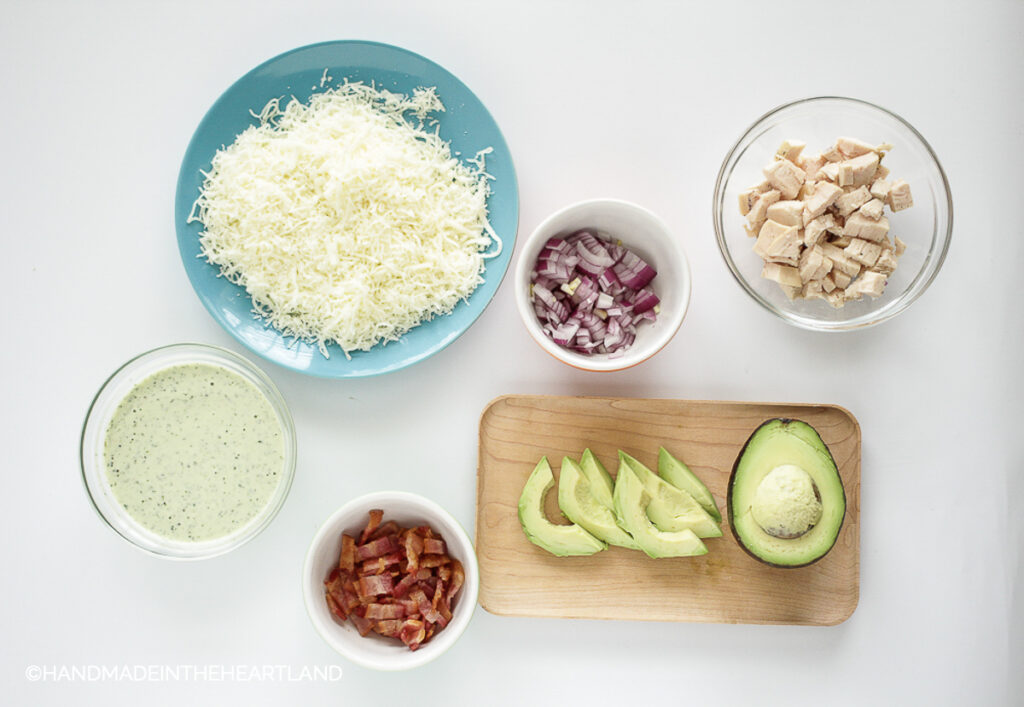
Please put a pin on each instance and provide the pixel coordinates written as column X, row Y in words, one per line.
column 886, row 262
column 869, row 283
column 811, row 164
column 841, row 278
column 840, row 261
column 880, row 188
column 899, row 196
column 829, row 172
column 864, row 252
column 833, row 154
column 828, row 282
column 852, row 200
column 786, row 177
column 788, row 213
column 858, row 171
column 816, row 228
column 813, row 290
column 814, row 264
column 777, row 243
column 882, row 172
column 900, row 248
column 860, row 226
column 824, row 195
column 873, row 209
column 791, row 149
column 836, row 298
column 759, row 210
column 782, row 274
column 851, row 147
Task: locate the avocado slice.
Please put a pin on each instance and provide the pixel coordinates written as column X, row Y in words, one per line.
column 601, row 484
column 561, row 540
column 631, row 505
column 671, row 509
column 580, row 505
column 679, row 475
column 786, row 501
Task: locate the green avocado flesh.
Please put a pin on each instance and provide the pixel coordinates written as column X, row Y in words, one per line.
column 786, row 501
column 561, row 540
column 679, row 475
column 601, row 484
column 631, row 506
column 671, row 509
column 580, row 505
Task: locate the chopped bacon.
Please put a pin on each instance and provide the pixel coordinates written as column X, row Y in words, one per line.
column 433, row 546
column 376, row 515
column 347, row 561
column 376, row 548
column 397, row 582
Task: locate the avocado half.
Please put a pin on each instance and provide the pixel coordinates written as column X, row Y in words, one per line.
column 786, row 501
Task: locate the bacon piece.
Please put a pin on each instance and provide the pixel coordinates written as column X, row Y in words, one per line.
column 403, row 586
column 388, row 627
column 347, row 561
column 389, row 528
column 458, row 578
column 412, row 633
column 413, row 545
column 363, row 625
column 332, row 604
column 385, row 611
column 376, row 515
column 376, row 548
column 374, row 585
column 433, row 546
column 431, row 561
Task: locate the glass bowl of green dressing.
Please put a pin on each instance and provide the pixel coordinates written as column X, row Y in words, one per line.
column 188, row 451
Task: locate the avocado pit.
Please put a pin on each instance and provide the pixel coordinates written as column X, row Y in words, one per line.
column 787, row 503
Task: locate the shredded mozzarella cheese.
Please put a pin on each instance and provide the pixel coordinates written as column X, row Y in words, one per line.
column 345, row 220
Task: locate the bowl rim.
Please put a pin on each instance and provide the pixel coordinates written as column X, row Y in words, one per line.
column 468, row 595
column 600, row 364
column 277, row 402
column 901, row 305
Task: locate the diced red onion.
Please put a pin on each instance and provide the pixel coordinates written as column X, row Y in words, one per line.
column 590, row 293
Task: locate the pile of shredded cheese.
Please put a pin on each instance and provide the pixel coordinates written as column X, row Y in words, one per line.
column 346, row 220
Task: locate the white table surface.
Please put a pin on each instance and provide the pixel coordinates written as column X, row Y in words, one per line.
column 633, row 100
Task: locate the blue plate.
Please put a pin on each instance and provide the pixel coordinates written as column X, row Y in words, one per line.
column 466, row 124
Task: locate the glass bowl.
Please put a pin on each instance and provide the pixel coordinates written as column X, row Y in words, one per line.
column 926, row 227
column 94, row 431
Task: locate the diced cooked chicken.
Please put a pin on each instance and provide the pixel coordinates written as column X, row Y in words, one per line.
column 840, row 261
column 810, row 164
column 873, row 209
column 869, row 283
column 759, row 211
column 886, row 262
column 899, row 196
column 814, row 264
column 788, row 213
column 852, row 200
column 851, row 147
column 860, row 226
column 841, row 279
column 782, row 274
column 833, row 154
column 815, row 230
column 824, row 195
column 791, row 149
column 777, row 243
column 812, row 290
column 864, row 252
column 819, row 220
column 786, row 177
column 880, row 188
column 858, row 171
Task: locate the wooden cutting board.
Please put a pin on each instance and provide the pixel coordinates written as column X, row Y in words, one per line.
column 726, row 585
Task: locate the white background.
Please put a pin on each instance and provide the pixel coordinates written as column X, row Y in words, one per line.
column 632, row 100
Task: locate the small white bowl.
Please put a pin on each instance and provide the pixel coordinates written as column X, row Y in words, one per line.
column 643, row 233
column 375, row 651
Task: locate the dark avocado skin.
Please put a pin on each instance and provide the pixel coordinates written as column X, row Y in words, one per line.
column 732, row 481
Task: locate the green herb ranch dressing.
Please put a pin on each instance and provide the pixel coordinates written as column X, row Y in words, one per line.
column 194, row 452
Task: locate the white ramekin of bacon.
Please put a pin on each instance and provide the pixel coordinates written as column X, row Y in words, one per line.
column 390, row 580
column 602, row 285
